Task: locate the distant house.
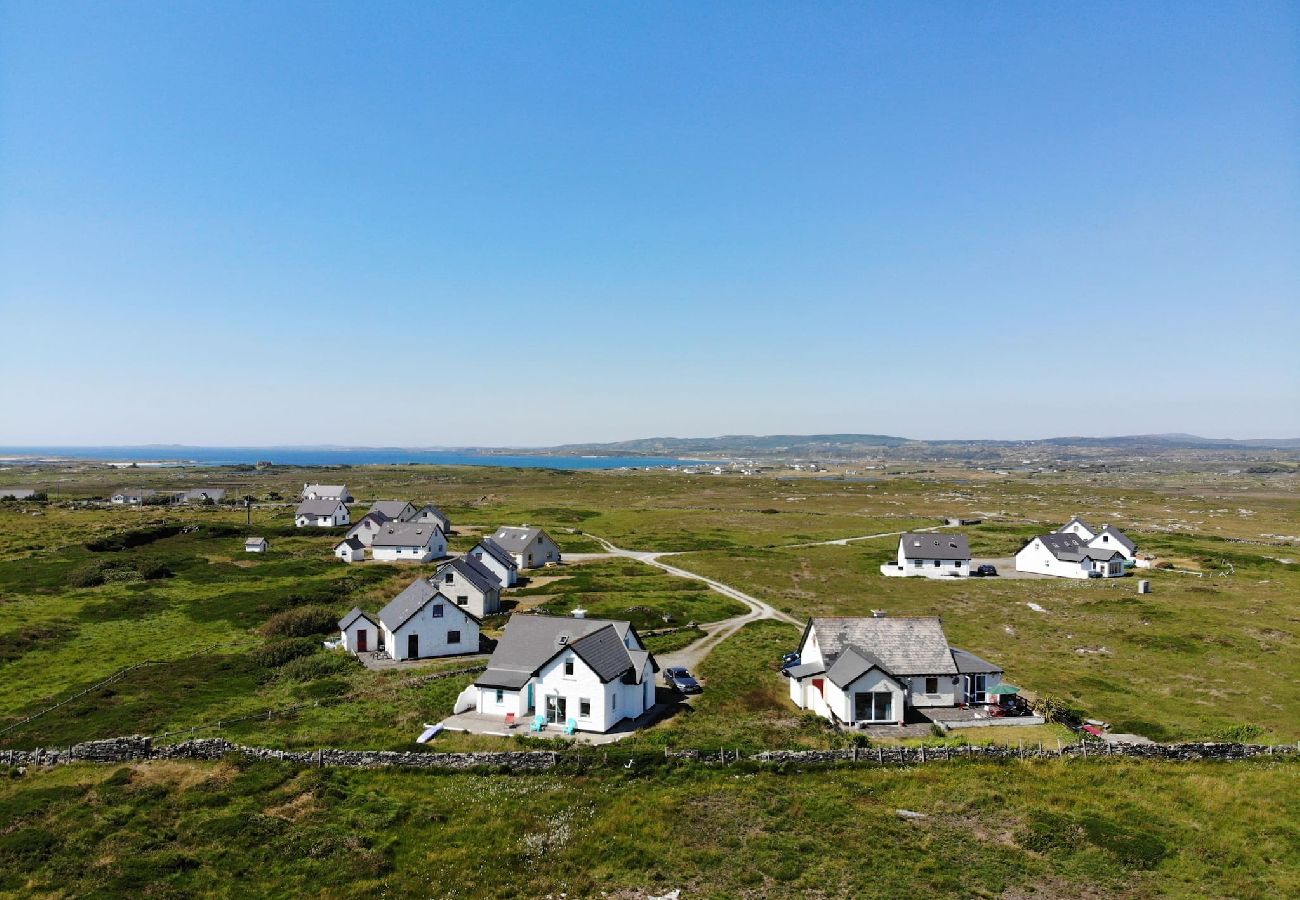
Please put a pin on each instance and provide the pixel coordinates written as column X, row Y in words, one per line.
column 202, row 495
column 327, row 492
column 592, row 672
column 369, row 525
column 530, row 547
column 493, row 557
column 408, row 542
column 14, row 493
column 132, row 497
column 321, row 514
column 360, row 632
column 255, row 545
column 469, row 585
column 859, row 670
column 931, row 555
column 395, row 510
column 350, row 550
column 1067, row 555
column 1107, row 537
column 420, row 623
column 432, row 515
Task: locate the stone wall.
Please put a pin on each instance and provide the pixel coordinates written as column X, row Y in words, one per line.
column 139, row 747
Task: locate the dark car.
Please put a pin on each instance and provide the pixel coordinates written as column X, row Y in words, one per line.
column 1094, row 574
column 986, row 571
column 789, row 661
column 680, row 679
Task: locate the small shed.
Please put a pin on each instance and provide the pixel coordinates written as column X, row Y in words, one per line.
column 350, row 550
column 255, row 545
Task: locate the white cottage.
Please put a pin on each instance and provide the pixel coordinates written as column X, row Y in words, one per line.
column 350, row 550
column 408, row 542
column 529, row 547
column 1066, row 555
column 255, row 545
column 369, row 525
column 420, row 623
column 1107, row 537
column 870, row 670
column 930, row 555
column 327, row 492
column 431, row 515
column 360, row 632
column 469, row 585
column 321, row 514
column 493, row 557
column 132, row 497
column 593, row 673
column 395, row 510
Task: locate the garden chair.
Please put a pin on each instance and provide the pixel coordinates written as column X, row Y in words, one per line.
column 571, row 726
column 539, row 723
column 510, row 720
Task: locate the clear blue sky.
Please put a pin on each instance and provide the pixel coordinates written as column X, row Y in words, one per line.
column 516, row 223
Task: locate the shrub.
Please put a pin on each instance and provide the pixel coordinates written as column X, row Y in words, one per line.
column 153, row 570
column 1241, row 733
column 277, row 653
column 300, row 621
column 320, row 665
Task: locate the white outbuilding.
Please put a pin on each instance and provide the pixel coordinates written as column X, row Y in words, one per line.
column 360, row 632
column 255, row 545
column 350, row 550
column 321, row 514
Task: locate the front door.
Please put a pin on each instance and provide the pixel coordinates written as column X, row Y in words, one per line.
column 412, row 646
column 531, row 704
column 557, row 710
column 361, row 641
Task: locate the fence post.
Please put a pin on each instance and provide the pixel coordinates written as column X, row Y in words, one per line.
column 880, row 755
column 923, row 753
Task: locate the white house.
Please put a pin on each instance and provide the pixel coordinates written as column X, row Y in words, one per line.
column 870, row 670
column 360, row 632
column 130, row 497
column 408, row 542
column 321, row 514
column 469, row 585
column 1066, row 555
column 530, row 547
column 350, row 550
column 420, row 623
column 327, row 492
column 430, row 514
column 1107, row 537
column 255, row 545
column 592, row 672
column 932, row 555
column 396, row 510
column 202, row 495
column 493, row 557
column 365, row 528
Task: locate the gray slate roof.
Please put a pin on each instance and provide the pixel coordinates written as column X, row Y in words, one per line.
column 1071, row 548
column 317, row 508
column 338, row 491
column 515, row 539
column 1074, row 519
column 434, row 511
column 902, row 645
column 852, row 664
column 530, row 641
column 1118, row 537
column 497, row 552
column 142, row 492
column 803, row 670
column 346, row 622
column 472, row 571
column 404, row 534
column 969, row 663
column 392, row 509
column 938, row 545
column 352, row 542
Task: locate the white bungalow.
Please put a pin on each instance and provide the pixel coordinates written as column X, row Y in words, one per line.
column 396, row 510
column 321, row 514
column 469, row 585
column 493, row 557
column 360, row 632
column 350, row 550
column 255, row 545
column 871, row 670
column 420, row 623
column 593, row 673
column 202, row 496
column 930, row 555
column 132, row 497
column 530, row 547
column 369, row 525
column 408, row 542
column 327, row 492
column 1066, row 555
column 430, row 514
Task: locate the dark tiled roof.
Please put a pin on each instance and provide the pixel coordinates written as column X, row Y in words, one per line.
column 404, row 534
column 346, row 622
column 530, row 641
column 1065, row 546
column 497, row 552
column 969, row 663
column 317, row 507
column 478, row 577
column 515, row 540
column 391, row 508
column 1117, row 536
column 938, row 545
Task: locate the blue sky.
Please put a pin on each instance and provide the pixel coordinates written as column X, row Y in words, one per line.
column 450, row 224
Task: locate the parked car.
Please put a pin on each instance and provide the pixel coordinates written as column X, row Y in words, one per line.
column 1094, row 574
column 986, row 571
column 680, row 679
column 789, row 661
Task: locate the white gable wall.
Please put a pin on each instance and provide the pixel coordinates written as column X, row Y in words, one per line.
column 435, row 549
column 432, row 633
column 480, row 603
column 505, row 574
column 1106, row 542
column 1077, row 528
column 350, row 641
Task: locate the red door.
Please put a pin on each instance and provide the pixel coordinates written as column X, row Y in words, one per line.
column 361, row 640
column 819, row 684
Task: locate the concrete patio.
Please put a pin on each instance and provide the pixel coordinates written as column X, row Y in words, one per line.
column 947, row 717
column 494, row 726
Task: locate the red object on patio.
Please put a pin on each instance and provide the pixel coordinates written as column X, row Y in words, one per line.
column 1093, row 730
column 510, row 720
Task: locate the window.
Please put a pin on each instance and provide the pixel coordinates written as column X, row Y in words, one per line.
column 453, row 637
column 916, row 563
column 568, row 666
column 462, row 600
column 873, row 706
column 931, row 684
column 936, row 563
column 976, row 685
column 956, row 562
column 613, row 702
column 584, row 708
column 436, row 610
column 501, row 696
column 448, row 578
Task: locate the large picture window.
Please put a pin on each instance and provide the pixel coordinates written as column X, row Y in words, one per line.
column 873, row 706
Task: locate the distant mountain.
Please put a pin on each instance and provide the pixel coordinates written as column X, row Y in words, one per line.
column 803, row 445
column 1177, row 441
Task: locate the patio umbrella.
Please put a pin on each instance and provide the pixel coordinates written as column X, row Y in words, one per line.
column 1003, row 689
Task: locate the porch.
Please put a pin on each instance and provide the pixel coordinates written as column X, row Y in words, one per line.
column 494, row 725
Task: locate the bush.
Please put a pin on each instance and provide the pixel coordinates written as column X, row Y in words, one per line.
column 136, row 537
column 277, row 653
column 1240, row 734
column 301, row 621
column 320, row 665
